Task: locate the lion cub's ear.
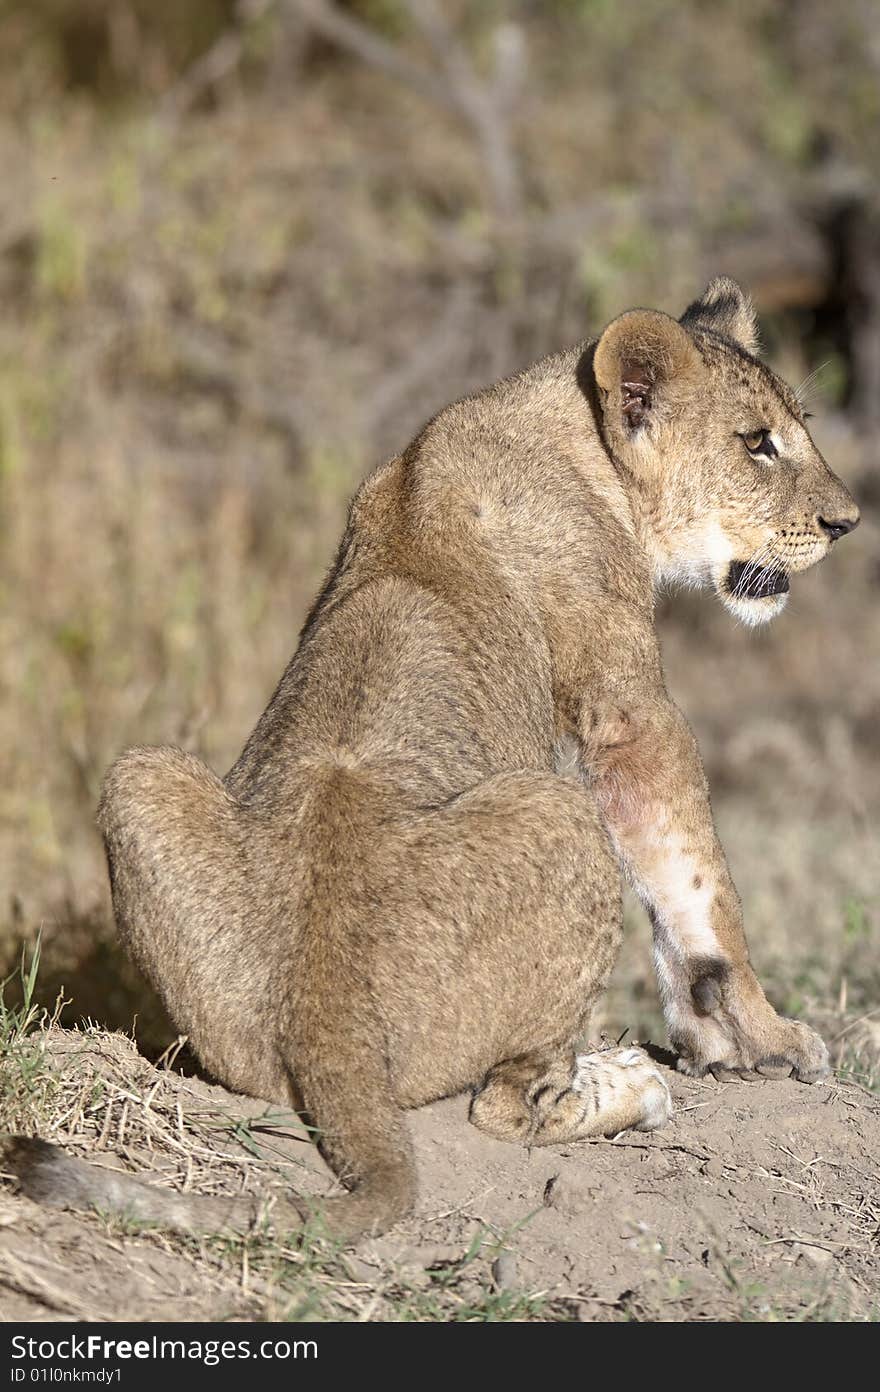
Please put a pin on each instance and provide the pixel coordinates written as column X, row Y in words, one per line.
column 725, row 309
column 643, row 363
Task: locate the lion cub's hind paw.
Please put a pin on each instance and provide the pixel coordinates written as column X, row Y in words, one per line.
column 630, row 1081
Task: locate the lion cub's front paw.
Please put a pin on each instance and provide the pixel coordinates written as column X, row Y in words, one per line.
column 784, row 1049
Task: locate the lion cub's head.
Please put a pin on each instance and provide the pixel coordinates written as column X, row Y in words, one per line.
column 730, row 487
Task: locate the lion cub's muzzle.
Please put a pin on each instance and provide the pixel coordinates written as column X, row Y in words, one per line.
column 768, row 580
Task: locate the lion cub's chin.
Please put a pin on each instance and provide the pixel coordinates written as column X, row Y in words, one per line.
column 753, row 611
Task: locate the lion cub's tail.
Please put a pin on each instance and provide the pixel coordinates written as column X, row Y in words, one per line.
column 49, row 1176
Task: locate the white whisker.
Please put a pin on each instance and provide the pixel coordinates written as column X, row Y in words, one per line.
column 803, row 392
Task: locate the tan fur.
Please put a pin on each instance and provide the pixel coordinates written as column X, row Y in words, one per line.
column 394, row 895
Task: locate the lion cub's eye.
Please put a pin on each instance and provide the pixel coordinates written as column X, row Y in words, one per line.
column 759, row 442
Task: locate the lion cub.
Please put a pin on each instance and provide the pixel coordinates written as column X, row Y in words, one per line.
column 394, row 895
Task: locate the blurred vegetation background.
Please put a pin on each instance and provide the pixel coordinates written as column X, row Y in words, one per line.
column 248, row 246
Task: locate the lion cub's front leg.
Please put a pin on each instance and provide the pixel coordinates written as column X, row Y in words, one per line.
column 649, row 780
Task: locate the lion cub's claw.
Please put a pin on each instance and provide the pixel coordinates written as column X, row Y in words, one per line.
column 723, row 1074
column 776, row 1069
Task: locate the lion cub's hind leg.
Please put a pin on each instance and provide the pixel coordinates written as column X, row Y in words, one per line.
column 572, row 1097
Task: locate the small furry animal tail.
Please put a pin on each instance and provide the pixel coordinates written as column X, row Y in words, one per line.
column 49, row 1176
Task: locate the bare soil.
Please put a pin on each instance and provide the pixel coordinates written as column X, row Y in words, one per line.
column 759, row 1201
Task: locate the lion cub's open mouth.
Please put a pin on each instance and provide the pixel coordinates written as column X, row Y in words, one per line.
column 756, row 582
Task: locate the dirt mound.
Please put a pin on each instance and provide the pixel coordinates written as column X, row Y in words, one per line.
column 759, row 1201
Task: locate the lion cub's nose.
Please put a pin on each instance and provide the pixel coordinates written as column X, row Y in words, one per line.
column 840, row 528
